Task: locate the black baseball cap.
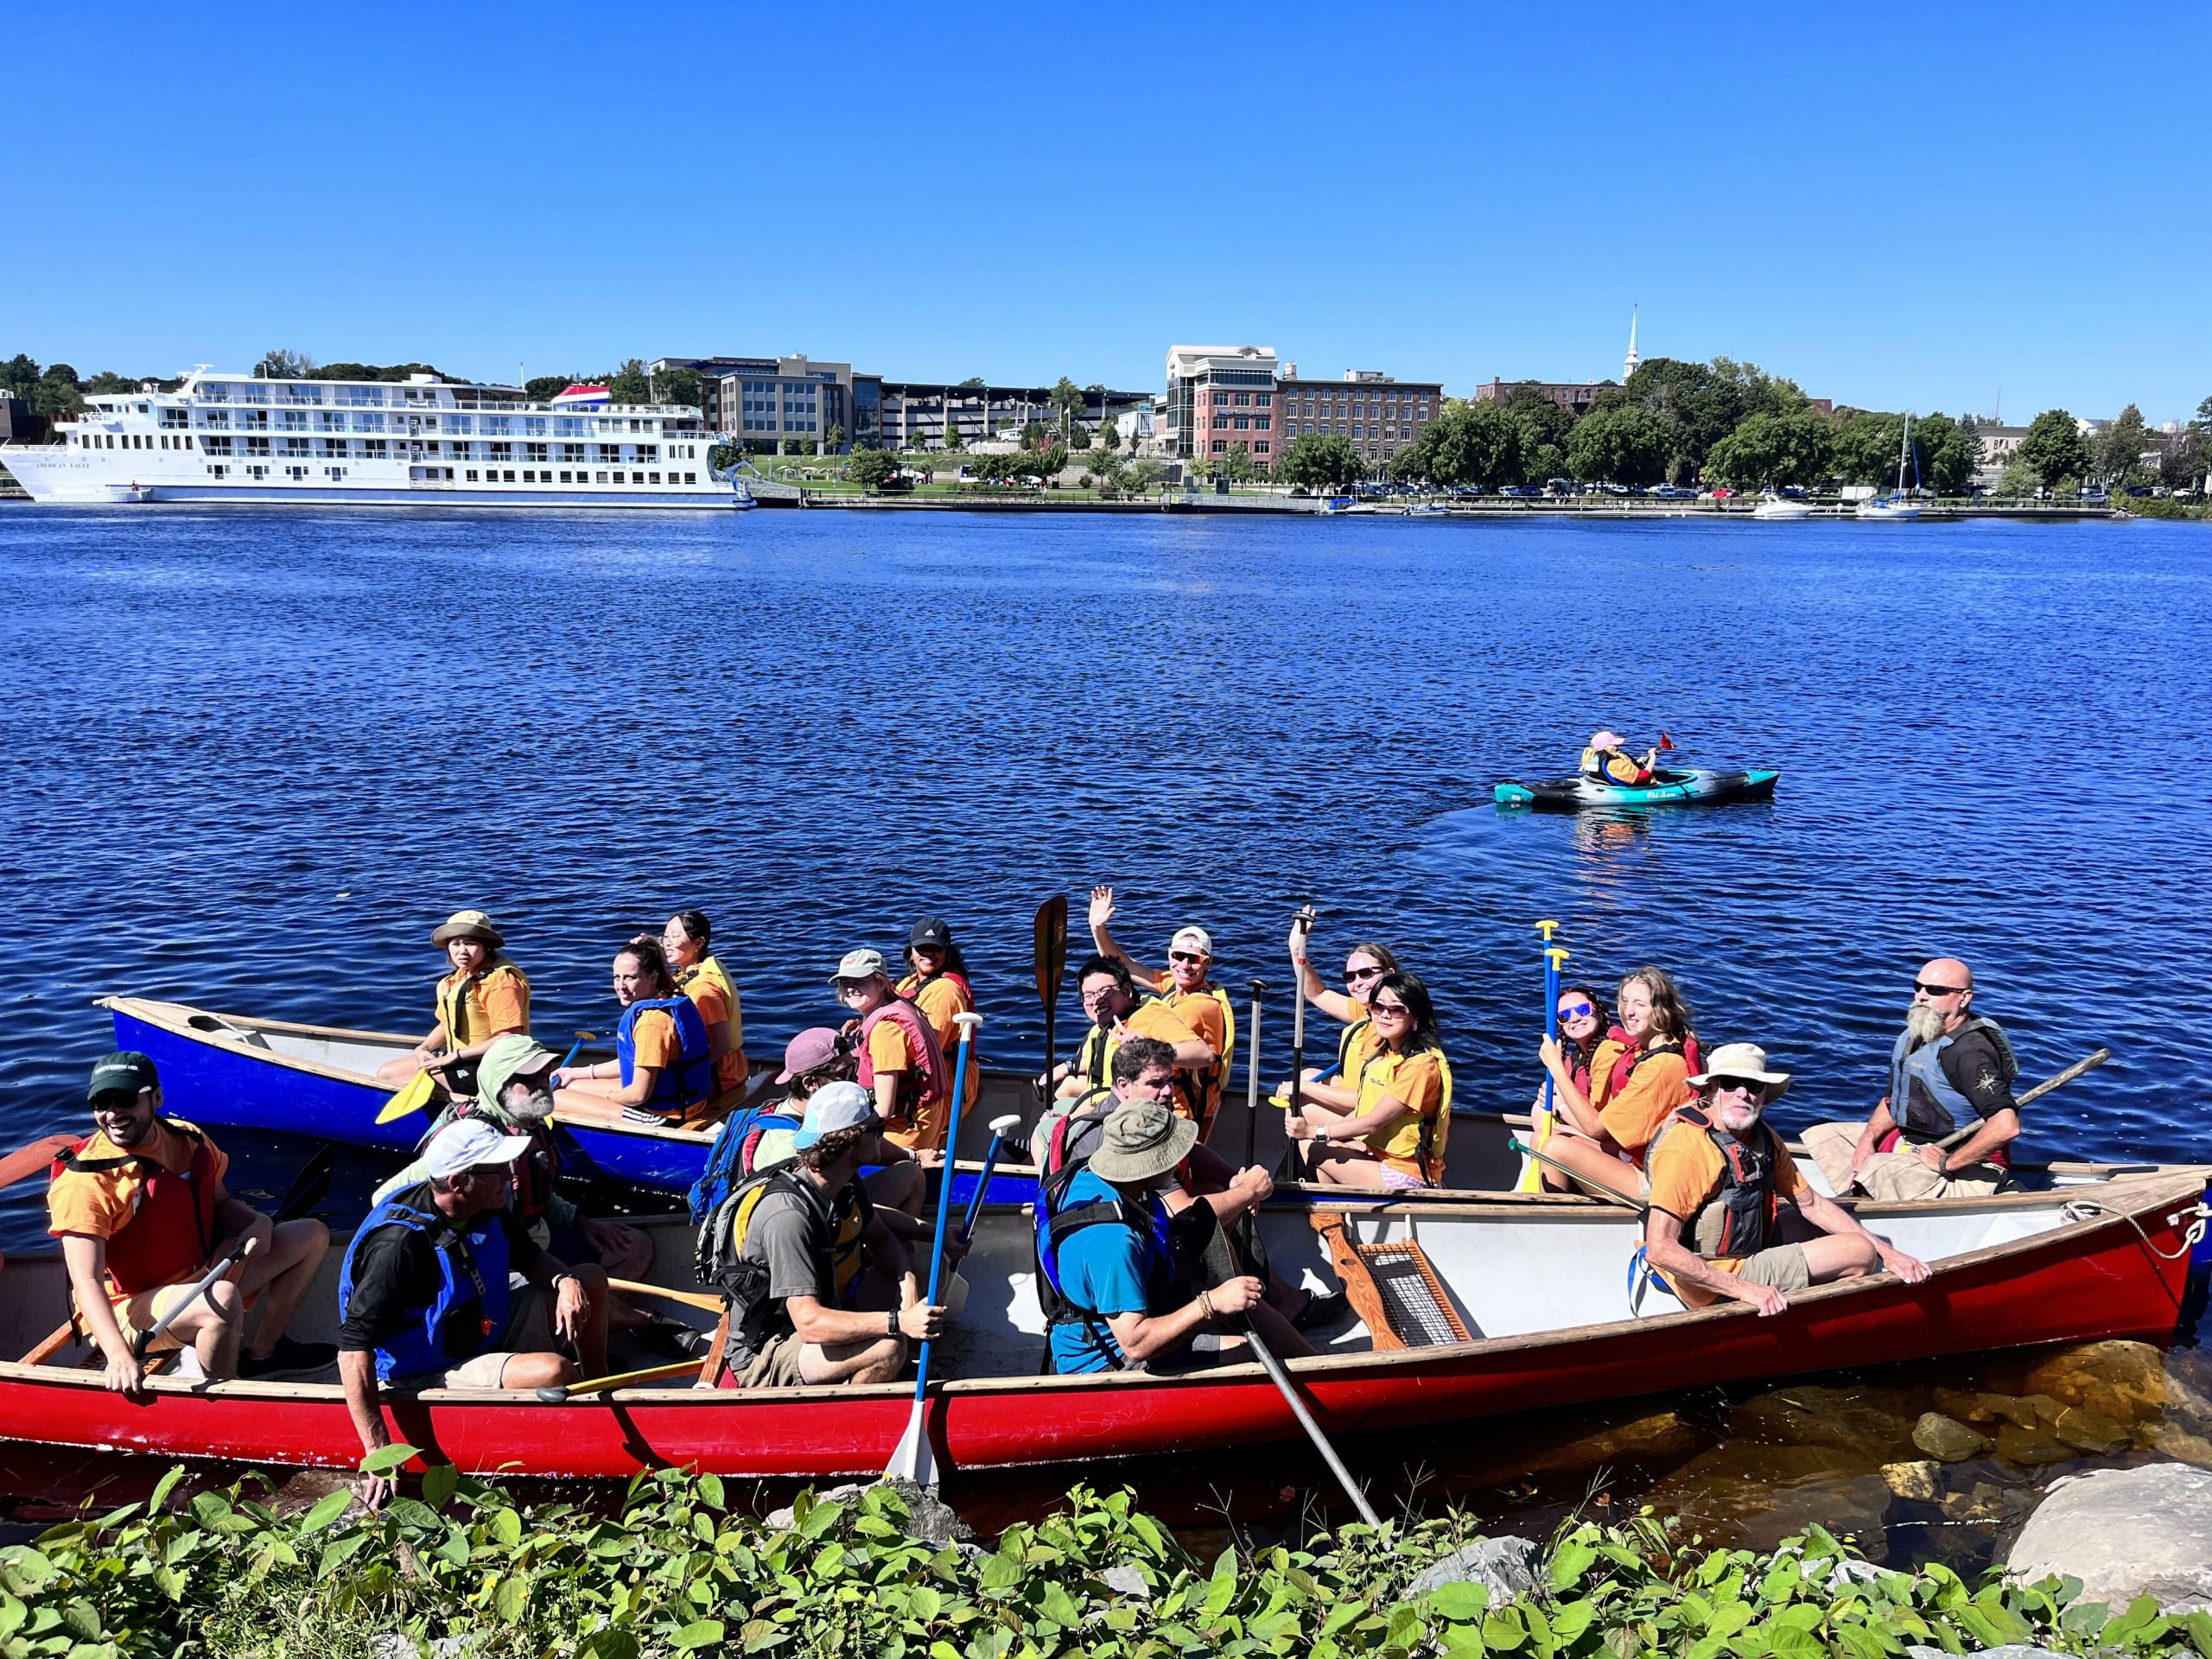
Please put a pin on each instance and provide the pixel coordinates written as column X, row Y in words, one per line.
column 930, row 930
column 126, row 1073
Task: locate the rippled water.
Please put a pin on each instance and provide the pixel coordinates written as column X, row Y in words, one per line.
column 253, row 757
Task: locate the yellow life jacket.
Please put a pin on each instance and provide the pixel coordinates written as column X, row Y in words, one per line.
column 848, row 1222
column 1200, row 1087
column 461, row 1001
column 1415, row 1146
column 711, row 970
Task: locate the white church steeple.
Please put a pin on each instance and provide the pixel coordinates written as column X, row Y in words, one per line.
column 1629, row 366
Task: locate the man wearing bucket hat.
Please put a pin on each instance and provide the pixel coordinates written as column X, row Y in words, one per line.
column 789, row 1250
column 485, row 996
column 1184, row 989
column 1608, row 760
column 1728, row 1213
column 1108, row 1274
column 422, row 1298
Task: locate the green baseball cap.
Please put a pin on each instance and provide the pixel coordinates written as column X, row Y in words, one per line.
column 126, row 1073
column 510, row 1057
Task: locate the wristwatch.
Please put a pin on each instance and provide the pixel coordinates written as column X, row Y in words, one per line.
column 891, row 1322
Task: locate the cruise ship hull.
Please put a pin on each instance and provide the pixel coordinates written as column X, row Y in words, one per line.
column 58, row 476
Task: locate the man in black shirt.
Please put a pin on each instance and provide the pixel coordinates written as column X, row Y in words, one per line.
column 1950, row 1076
column 423, row 1301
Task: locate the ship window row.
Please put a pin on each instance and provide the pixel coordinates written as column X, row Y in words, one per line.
column 503, row 475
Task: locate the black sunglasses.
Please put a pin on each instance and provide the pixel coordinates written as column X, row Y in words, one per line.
column 1749, row 1085
column 1939, row 990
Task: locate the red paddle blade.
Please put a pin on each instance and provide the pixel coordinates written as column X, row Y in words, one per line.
column 1665, row 741
column 37, row 1158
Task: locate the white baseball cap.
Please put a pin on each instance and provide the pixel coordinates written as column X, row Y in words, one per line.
column 1197, row 937
column 835, row 1106
column 470, row 1143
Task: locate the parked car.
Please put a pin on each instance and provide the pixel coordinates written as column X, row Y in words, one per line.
column 1522, row 490
column 1678, row 492
column 2093, row 496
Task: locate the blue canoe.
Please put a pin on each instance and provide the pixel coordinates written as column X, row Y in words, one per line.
column 1679, row 788
column 227, row 1071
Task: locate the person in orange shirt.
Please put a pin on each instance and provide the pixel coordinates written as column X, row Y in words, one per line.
column 1639, row 1074
column 1394, row 1135
column 903, row 1067
column 937, row 985
column 662, row 1067
column 699, row 976
column 142, row 1213
column 1110, row 997
column 485, row 997
column 1183, row 985
column 1729, row 1214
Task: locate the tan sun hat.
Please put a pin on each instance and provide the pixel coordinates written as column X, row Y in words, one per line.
column 468, row 925
column 1742, row 1060
column 1144, row 1140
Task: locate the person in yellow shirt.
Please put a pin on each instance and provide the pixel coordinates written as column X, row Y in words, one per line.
column 687, row 943
column 1364, row 964
column 1729, row 1214
column 936, row 983
column 1608, row 760
column 1394, row 1135
column 1191, row 995
column 1110, row 997
column 484, row 998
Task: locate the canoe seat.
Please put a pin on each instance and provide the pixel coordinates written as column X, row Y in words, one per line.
column 1394, row 1289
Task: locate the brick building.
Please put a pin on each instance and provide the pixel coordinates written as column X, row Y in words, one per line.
column 1376, row 414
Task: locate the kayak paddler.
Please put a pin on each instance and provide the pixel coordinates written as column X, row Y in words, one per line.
column 661, row 1068
column 484, row 996
column 142, row 1213
column 1191, row 995
column 1607, row 759
column 1729, row 1214
column 1950, row 1069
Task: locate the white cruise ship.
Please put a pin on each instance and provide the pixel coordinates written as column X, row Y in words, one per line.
column 420, row 441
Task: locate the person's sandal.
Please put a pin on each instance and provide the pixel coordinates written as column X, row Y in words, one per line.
column 1319, row 1311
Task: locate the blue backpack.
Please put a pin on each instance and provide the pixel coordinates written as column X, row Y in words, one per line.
column 729, row 1160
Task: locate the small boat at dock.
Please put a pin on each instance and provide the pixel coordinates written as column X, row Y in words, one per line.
column 1463, row 1311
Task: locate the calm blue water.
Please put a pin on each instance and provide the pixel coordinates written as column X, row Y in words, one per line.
column 253, row 759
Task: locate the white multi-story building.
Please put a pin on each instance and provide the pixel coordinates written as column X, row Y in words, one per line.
column 233, row 438
column 1219, row 396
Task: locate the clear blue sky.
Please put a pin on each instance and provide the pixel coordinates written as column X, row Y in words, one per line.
column 1897, row 205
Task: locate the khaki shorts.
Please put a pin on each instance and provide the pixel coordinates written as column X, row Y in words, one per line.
column 149, row 1307
column 527, row 1332
column 776, row 1366
column 1783, row 1266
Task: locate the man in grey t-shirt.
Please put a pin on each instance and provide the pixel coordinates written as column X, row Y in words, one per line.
column 800, row 1265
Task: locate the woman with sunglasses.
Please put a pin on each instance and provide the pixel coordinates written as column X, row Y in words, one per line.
column 1579, row 1022
column 1639, row 1073
column 1364, row 967
column 1393, row 1137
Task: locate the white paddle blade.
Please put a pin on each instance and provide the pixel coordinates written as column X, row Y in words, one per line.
column 910, row 1460
column 955, row 1295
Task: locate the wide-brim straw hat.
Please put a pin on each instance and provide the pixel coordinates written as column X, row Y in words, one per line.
column 468, row 925
column 1742, row 1060
column 1143, row 1141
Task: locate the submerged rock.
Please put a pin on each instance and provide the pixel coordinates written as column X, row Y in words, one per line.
column 1920, row 1480
column 1504, row 1566
column 1875, row 1424
column 2090, row 1431
column 2030, row 1447
column 2126, row 1380
column 1948, row 1439
column 2125, row 1533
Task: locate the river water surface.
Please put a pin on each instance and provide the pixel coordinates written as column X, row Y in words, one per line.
column 252, row 759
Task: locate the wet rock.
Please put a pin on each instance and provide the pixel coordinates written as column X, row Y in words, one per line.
column 1948, row 1439
column 1504, row 1566
column 1876, row 1424
column 1973, row 1405
column 1763, row 1494
column 2125, row 1533
column 2010, row 1651
column 1919, row 1479
column 2126, row 1380
column 2030, row 1447
column 928, row 1518
column 2173, row 1440
column 2089, row 1431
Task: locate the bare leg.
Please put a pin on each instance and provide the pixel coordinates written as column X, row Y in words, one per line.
column 211, row 1326
column 1590, row 1162
column 1350, row 1166
column 899, row 1186
column 284, row 1272
column 876, row 1359
column 541, row 1371
column 1283, row 1338
column 1840, row 1256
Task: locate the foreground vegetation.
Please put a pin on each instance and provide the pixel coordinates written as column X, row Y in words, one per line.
column 676, row 1572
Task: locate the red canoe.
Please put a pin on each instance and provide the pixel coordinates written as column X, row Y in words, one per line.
column 1536, row 1283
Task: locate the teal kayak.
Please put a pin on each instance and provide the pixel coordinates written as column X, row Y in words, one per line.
column 1683, row 788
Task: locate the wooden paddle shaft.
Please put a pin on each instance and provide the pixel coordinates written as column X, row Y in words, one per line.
column 690, row 1298
column 558, row 1393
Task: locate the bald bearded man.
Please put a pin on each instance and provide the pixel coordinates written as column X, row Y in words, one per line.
column 1950, row 1069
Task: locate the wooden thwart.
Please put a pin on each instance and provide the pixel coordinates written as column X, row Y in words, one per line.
column 1394, row 1289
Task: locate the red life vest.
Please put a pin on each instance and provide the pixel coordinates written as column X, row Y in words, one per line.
column 171, row 1232
column 933, row 1082
column 1625, row 1062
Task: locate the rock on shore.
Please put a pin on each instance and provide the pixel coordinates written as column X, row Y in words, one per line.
column 2125, row 1533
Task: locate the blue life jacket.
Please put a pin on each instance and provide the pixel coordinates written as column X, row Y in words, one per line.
column 729, row 1159
column 1057, row 1223
column 1938, row 1107
column 690, row 1081
column 472, row 1289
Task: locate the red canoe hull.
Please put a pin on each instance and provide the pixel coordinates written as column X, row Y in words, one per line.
column 2086, row 1280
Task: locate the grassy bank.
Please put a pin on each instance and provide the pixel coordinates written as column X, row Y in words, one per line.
column 676, row 1572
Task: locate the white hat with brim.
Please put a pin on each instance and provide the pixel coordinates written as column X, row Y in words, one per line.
column 862, row 964
column 1143, row 1141
column 1741, row 1060
column 836, row 1107
column 470, row 1143
column 1196, row 937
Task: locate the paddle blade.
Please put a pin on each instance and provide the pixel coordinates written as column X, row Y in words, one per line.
column 37, row 1157
column 411, row 1096
column 310, row 1186
column 911, row 1460
column 1665, row 741
column 1051, row 958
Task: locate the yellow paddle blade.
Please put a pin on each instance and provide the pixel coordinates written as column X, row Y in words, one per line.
column 411, row 1096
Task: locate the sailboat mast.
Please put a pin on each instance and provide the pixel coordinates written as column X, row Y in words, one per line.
column 1905, row 450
